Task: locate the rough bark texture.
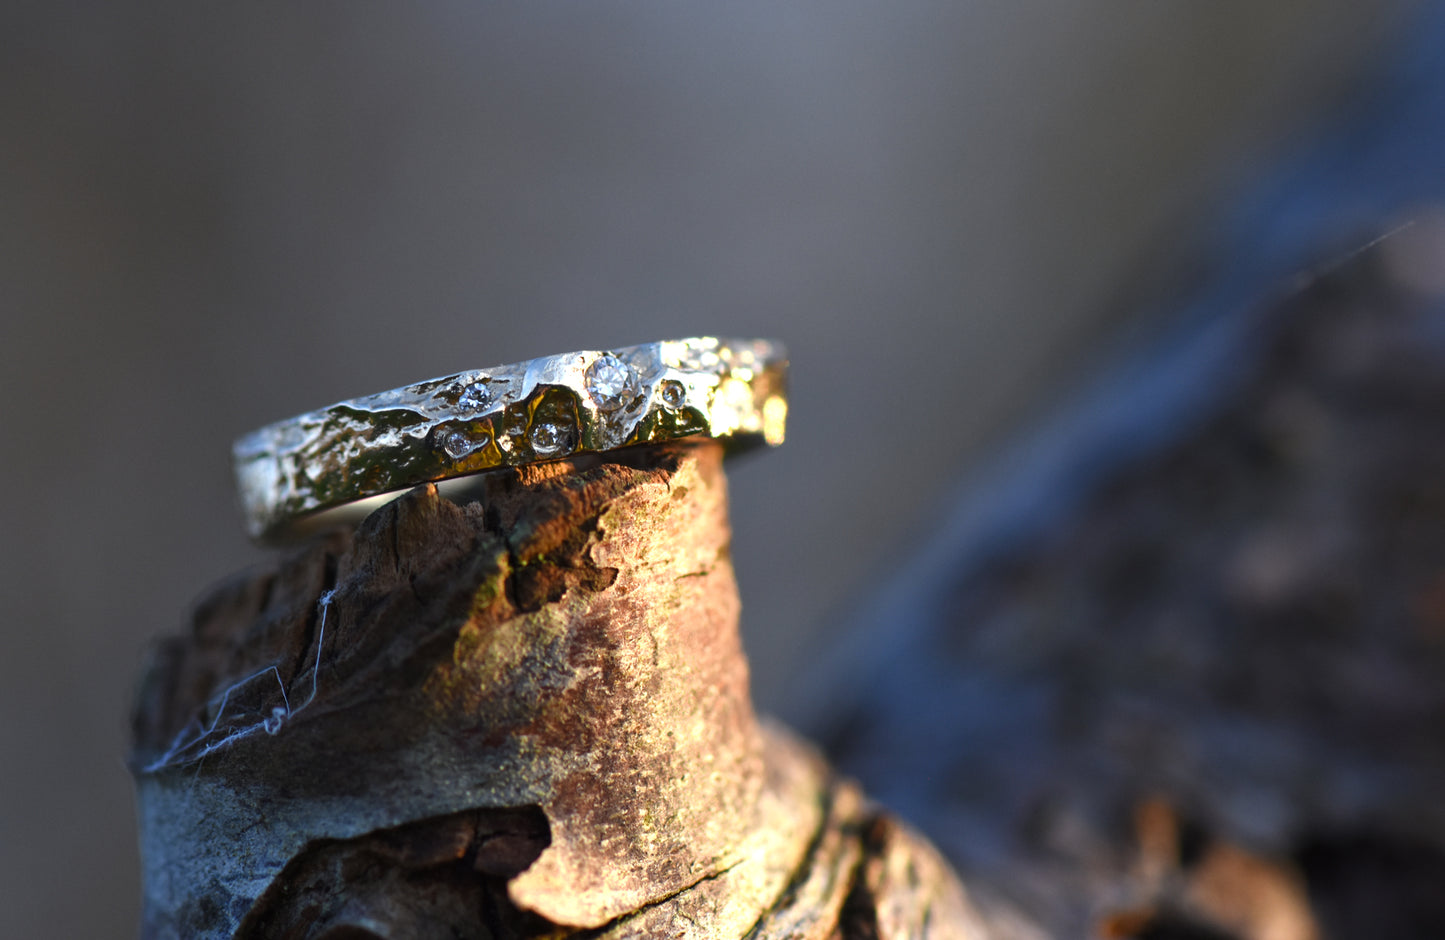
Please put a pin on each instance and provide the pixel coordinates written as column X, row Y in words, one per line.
column 526, row 716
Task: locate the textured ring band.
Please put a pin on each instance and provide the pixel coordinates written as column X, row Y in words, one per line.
column 539, row 410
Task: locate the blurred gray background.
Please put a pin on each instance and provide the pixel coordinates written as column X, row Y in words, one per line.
column 214, row 217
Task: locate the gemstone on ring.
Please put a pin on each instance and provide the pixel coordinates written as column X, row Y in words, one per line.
column 552, row 439
column 673, row 394
column 474, row 398
column 292, row 473
column 610, row 382
column 458, row 443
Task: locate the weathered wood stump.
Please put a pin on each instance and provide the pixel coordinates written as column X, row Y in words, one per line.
column 525, row 716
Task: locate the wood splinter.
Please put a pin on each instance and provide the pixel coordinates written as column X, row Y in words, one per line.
column 527, row 716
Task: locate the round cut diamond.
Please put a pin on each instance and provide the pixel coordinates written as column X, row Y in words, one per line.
column 458, row 443
column 673, row 394
column 611, row 383
column 550, row 439
column 474, row 398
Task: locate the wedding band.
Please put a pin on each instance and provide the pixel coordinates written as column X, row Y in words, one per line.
column 509, row 416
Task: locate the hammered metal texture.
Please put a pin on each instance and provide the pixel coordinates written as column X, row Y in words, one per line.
column 543, row 409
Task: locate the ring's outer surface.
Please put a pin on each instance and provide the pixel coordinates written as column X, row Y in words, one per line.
column 540, row 410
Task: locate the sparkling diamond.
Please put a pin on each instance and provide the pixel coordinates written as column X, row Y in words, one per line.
column 550, row 439
column 611, row 383
column 474, row 398
column 458, row 443
column 673, row 394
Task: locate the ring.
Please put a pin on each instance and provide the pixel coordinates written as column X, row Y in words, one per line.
column 509, row 416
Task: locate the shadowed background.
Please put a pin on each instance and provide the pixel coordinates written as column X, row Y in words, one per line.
column 211, row 219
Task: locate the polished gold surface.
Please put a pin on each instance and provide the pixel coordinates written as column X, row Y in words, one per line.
column 535, row 411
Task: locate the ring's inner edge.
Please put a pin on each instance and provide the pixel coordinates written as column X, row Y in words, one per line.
column 473, row 487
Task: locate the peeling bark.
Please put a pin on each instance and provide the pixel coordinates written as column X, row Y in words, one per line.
column 525, row 716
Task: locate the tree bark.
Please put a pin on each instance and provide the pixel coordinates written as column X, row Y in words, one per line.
column 1192, row 686
column 524, row 716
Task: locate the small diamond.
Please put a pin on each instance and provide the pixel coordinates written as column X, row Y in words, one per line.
column 474, row 398
column 611, row 383
column 549, row 439
column 673, row 394
column 459, row 443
